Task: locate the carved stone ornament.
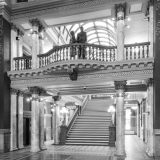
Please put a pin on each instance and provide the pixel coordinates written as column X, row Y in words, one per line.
column 34, row 90
column 14, row 91
column 41, row 28
column 73, row 74
column 121, row 7
column 150, row 3
column 42, row 92
column 20, row 33
column 120, row 84
column 149, row 82
column 56, row 98
column 14, row 27
column 121, row 94
column 35, row 22
column 20, row 93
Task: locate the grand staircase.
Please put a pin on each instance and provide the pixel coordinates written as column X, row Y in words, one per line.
column 92, row 126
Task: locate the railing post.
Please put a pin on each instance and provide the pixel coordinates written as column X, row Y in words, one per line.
column 112, row 135
column 63, row 134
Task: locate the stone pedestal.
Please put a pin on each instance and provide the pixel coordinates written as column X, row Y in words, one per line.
column 120, row 118
column 63, row 134
column 20, row 120
column 120, row 16
column 13, row 144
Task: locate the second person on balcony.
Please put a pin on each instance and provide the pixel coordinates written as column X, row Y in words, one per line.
column 72, row 48
column 82, row 38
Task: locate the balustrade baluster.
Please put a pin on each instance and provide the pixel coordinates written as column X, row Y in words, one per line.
column 139, row 52
column 147, row 52
column 63, row 54
column 110, row 55
column 24, row 63
column 134, row 52
column 67, row 53
column 126, row 53
column 114, row 55
column 15, row 64
column 130, row 52
column 143, row 52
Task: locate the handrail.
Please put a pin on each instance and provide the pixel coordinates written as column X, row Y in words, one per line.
column 84, row 103
column 72, row 119
column 137, row 44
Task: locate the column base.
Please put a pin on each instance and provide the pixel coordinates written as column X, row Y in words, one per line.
column 120, row 153
column 13, row 149
column 20, row 147
column 43, row 148
column 34, row 150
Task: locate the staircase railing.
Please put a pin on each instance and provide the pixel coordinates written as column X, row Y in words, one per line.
column 76, row 113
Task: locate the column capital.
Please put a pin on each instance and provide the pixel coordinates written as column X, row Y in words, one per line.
column 34, row 90
column 149, row 82
column 150, row 3
column 42, row 92
column 56, row 98
column 13, row 91
column 21, row 94
column 35, row 22
column 121, row 7
column 120, row 85
column 14, row 27
column 20, row 33
column 41, row 28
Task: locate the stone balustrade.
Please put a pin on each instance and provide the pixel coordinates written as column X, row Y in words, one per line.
column 92, row 52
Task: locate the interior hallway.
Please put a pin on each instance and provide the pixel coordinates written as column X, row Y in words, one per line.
column 135, row 150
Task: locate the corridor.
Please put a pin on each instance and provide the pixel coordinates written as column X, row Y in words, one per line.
column 135, row 150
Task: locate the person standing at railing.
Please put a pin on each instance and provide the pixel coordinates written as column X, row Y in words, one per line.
column 72, row 48
column 82, row 38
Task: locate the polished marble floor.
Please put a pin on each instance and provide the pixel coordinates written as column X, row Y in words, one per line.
column 135, row 150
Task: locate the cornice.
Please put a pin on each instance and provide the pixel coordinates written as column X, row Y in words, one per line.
column 109, row 76
column 32, row 10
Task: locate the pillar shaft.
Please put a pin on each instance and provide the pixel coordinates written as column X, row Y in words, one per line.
column 120, row 16
column 20, row 47
column 13, row 44
column 151, row 32
column 41, row 46
column 120, row 118
column 41, row 124
column 20, row 120
column 56, row 124
column 13, row 144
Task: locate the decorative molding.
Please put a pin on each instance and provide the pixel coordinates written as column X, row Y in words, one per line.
column 51, row 8
column 35, row 22
column 42, row 92
column 120, row 85
column 157, row 131
column 150, row 3
column 20, row 33
column 121, row 7
column 13, row 91
column 97, row 76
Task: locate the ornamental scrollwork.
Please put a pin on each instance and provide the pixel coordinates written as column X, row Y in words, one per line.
column 121, row 7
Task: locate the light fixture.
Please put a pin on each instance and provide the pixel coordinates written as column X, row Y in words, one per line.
column 111, row 109
column 134, row 107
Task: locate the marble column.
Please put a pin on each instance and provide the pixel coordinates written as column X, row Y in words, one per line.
column 120, row 10
column 41, row 30
column 120, row 118
column 56, row 120
column 151, row 32
column 150, row 143
column 13, row 44
column 20, row 120
column 13, row 144
column 41, row 121
column 138, row 121
column 35, row 145
column 35, row 42
column 20, row 43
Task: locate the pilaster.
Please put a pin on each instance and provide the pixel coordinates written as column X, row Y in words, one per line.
column 20, row 120
column 41, row 30
column 13, row 144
